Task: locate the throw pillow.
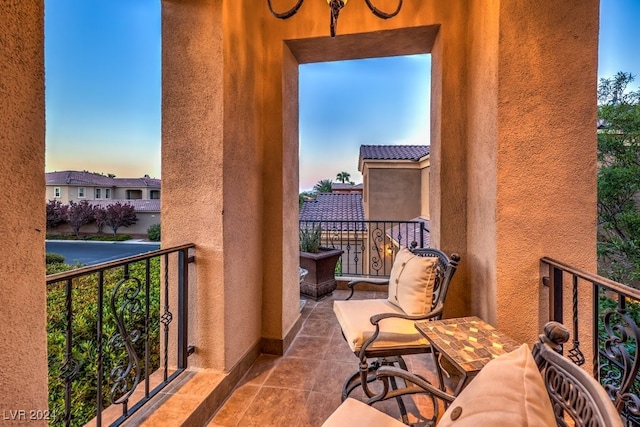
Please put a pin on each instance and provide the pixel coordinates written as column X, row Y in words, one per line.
column 508, row 391
column 411, row 282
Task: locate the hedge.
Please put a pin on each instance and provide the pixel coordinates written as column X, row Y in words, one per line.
column 84, row 326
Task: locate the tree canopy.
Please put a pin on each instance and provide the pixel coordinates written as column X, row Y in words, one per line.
column 343, row 177
column 619, row 179
column 323, row 186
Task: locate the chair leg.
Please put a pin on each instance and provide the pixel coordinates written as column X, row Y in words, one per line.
column 366, row 374
column 356, row 379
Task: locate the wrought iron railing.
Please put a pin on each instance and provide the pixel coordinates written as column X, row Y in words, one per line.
column 369, row 246
column 117, row 335
column 614, row 330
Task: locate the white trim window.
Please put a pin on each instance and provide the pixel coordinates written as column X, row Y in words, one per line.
column 81, row 192
column 56, row 191
column 98, row 191
column 107, row 193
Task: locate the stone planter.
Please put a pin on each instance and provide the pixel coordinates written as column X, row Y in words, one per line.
column 320, row 280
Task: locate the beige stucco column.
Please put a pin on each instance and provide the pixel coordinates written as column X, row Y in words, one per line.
column 23, row 340
column 531, row 154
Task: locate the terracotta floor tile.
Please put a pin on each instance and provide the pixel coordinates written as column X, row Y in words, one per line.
column 201, row 384
column 318, row 327
column 304, row 387
column 332, row 376
column 235, row 407
column 293, row 373
column 276, row 407
column 309, row 347
column 339, row 350
column 319, row 406
column 260, row 369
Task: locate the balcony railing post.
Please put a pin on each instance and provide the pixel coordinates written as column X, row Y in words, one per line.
column 555, row 294
column 183, row 308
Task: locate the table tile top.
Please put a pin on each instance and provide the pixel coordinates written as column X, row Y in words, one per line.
column 468, row 342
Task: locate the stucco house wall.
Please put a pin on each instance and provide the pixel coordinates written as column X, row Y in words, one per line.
column 393, row 193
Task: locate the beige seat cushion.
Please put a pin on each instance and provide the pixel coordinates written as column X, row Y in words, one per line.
column 508, row 391
column 354, row 315
column 352, row 413
column 411, row 282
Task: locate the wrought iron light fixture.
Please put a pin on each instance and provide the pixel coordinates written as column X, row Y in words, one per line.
column 335, row 6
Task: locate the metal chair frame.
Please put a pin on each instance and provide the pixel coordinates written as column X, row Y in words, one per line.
column 574, row 394
column 393, row 356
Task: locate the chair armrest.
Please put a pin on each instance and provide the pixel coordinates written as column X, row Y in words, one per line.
column 377, row 282
column 376, row 318
column 421, row 385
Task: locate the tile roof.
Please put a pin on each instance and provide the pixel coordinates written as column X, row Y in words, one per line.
column 96, row 180
column 339, row 186
column 333, row 207
column 394, row 152
column 139, row 205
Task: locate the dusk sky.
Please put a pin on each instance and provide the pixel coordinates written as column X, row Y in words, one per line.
column 103, row 93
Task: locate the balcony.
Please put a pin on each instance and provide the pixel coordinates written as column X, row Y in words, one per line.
column 513, row 158
column 303, row 386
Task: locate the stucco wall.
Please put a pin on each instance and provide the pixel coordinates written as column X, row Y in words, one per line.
column 394, row 194
column 192, row 162
column 424, row 188
column 23, row 349
column 546, row 149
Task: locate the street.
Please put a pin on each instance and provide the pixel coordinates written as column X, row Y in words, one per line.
column 91, row 253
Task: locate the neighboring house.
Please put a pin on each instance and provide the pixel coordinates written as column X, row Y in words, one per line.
column 343, row 188
column 395, row 181
column 143, row 193
column 74, row 186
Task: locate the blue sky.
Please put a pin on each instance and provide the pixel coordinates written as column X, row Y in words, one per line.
column 103, row 91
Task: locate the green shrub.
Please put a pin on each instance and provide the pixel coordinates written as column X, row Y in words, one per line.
column 153, row 232
column 310, row 239
column 53, row 258
column 108, row 237
column 85, row 344
column 57, row 236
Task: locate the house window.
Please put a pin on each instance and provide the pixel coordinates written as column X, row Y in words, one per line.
column 56, row 192
column 80, row 191
column 97, row 193
column 154, row 194
column 107, row 193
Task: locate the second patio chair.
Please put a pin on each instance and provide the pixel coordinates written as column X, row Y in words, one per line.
column 383, row 329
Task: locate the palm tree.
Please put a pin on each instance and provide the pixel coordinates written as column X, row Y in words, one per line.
column 343, row 177
column 323, row 186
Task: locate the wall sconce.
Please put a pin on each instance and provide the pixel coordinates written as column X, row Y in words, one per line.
column 335, row 6
column 389, row 249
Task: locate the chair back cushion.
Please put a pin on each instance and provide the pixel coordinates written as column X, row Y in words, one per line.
column 411, row 282
column 508, row 391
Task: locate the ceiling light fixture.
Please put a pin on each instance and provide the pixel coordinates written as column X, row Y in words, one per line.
column 335, row 6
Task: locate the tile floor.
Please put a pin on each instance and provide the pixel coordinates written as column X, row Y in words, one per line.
column 303, row 387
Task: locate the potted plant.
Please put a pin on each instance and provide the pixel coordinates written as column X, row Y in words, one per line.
column 319, row 261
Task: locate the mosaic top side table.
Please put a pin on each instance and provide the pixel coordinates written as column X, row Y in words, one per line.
column 468, row 343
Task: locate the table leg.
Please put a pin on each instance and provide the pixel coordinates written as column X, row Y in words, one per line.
column 436, row 361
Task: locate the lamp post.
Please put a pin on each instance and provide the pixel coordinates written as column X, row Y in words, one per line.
column 335, row 6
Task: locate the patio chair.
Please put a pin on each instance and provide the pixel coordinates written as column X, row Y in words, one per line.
column 383, row 329
column 516, row 389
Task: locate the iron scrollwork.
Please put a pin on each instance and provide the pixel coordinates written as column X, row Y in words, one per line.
column 622, row 334
column 377, row 239
column 125, row 376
